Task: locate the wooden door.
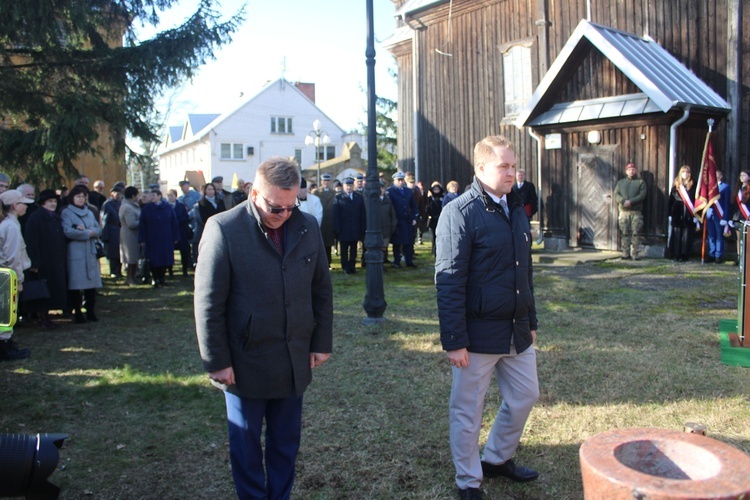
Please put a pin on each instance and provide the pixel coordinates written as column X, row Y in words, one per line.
column 594, row 218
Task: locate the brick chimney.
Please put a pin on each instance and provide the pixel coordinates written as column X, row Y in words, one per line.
column 306, row 88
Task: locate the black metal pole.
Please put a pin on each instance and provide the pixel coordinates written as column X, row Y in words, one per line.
column 374, row 303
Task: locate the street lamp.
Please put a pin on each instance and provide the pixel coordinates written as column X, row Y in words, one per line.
column 317, row 137
column 374, row 304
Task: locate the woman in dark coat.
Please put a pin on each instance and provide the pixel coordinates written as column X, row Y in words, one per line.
column 681, row 216
column 110, row 215
column 209, row 204
column 186, row 233
column 47, row 246
column 158, row 231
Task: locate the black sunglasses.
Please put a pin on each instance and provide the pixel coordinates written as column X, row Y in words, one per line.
column 279, row 210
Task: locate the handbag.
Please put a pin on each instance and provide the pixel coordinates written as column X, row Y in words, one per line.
column 98, row 245
column 34, row 290
column 99, row 249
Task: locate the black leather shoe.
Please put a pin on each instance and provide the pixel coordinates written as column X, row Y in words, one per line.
column 470, row 494
column 509, row 469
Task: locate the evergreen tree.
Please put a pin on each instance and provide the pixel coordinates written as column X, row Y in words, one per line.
column 385, row 135
column 72, row 70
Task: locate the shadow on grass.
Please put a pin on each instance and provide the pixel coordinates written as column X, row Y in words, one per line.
column 619, row 346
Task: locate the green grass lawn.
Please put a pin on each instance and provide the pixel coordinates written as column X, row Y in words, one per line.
column 619, row 345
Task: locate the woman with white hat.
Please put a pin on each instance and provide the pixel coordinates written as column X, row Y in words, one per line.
column 13, row 255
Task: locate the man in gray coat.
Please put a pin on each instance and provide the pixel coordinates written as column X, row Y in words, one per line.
column 264, row 317
column 487, row 313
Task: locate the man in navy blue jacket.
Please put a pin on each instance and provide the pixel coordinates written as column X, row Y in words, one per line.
column 407, row 215
column 487, row 314
column 718, row 222
column 349, row 224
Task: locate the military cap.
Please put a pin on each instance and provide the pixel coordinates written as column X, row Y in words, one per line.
column 326, row 177
column 398, row 175
column 348, row 180
column 218, row 178
column 360, row 177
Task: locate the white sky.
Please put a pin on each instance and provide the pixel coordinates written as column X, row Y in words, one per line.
column 323, row 42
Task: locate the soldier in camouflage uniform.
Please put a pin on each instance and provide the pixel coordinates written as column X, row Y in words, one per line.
column 630, row 193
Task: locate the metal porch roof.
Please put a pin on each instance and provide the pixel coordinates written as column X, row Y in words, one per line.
column 596, row 109
column 665, row 81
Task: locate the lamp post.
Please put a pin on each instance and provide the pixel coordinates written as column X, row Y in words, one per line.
column 374, row 303
column 317, row 137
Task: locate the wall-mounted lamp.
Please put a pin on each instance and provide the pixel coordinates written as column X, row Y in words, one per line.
column 594, row 137
column 250, row 151
column 643, row 137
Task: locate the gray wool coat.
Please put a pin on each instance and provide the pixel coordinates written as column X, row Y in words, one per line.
column 130, row 214
column 83, row 266
column 258, row 311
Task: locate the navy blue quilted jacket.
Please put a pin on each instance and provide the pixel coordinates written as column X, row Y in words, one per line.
column 483, row 274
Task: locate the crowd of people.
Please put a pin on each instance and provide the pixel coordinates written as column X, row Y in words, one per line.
column 407, row 212
column 56, row 243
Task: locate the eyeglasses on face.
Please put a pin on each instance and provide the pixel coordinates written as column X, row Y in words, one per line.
column 279, row 210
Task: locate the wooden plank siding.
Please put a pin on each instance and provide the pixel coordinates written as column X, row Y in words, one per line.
column 461, row 97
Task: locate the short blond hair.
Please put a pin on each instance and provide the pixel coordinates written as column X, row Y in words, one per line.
column 484, row 151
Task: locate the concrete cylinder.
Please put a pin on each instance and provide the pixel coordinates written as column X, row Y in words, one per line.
column 660, row 464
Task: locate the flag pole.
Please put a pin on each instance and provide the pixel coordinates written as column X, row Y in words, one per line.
column 710, row 122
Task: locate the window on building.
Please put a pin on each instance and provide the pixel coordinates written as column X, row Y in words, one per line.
column 298, row 156
column 231, row 151
column 517, row 79
column 325, row 153
column 281, row 125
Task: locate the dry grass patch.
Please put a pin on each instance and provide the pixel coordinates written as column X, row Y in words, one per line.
column 620, row 345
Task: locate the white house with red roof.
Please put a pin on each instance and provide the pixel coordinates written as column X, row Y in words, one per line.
column 274, row 122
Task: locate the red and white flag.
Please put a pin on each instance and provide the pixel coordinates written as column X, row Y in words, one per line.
column 707, row 192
